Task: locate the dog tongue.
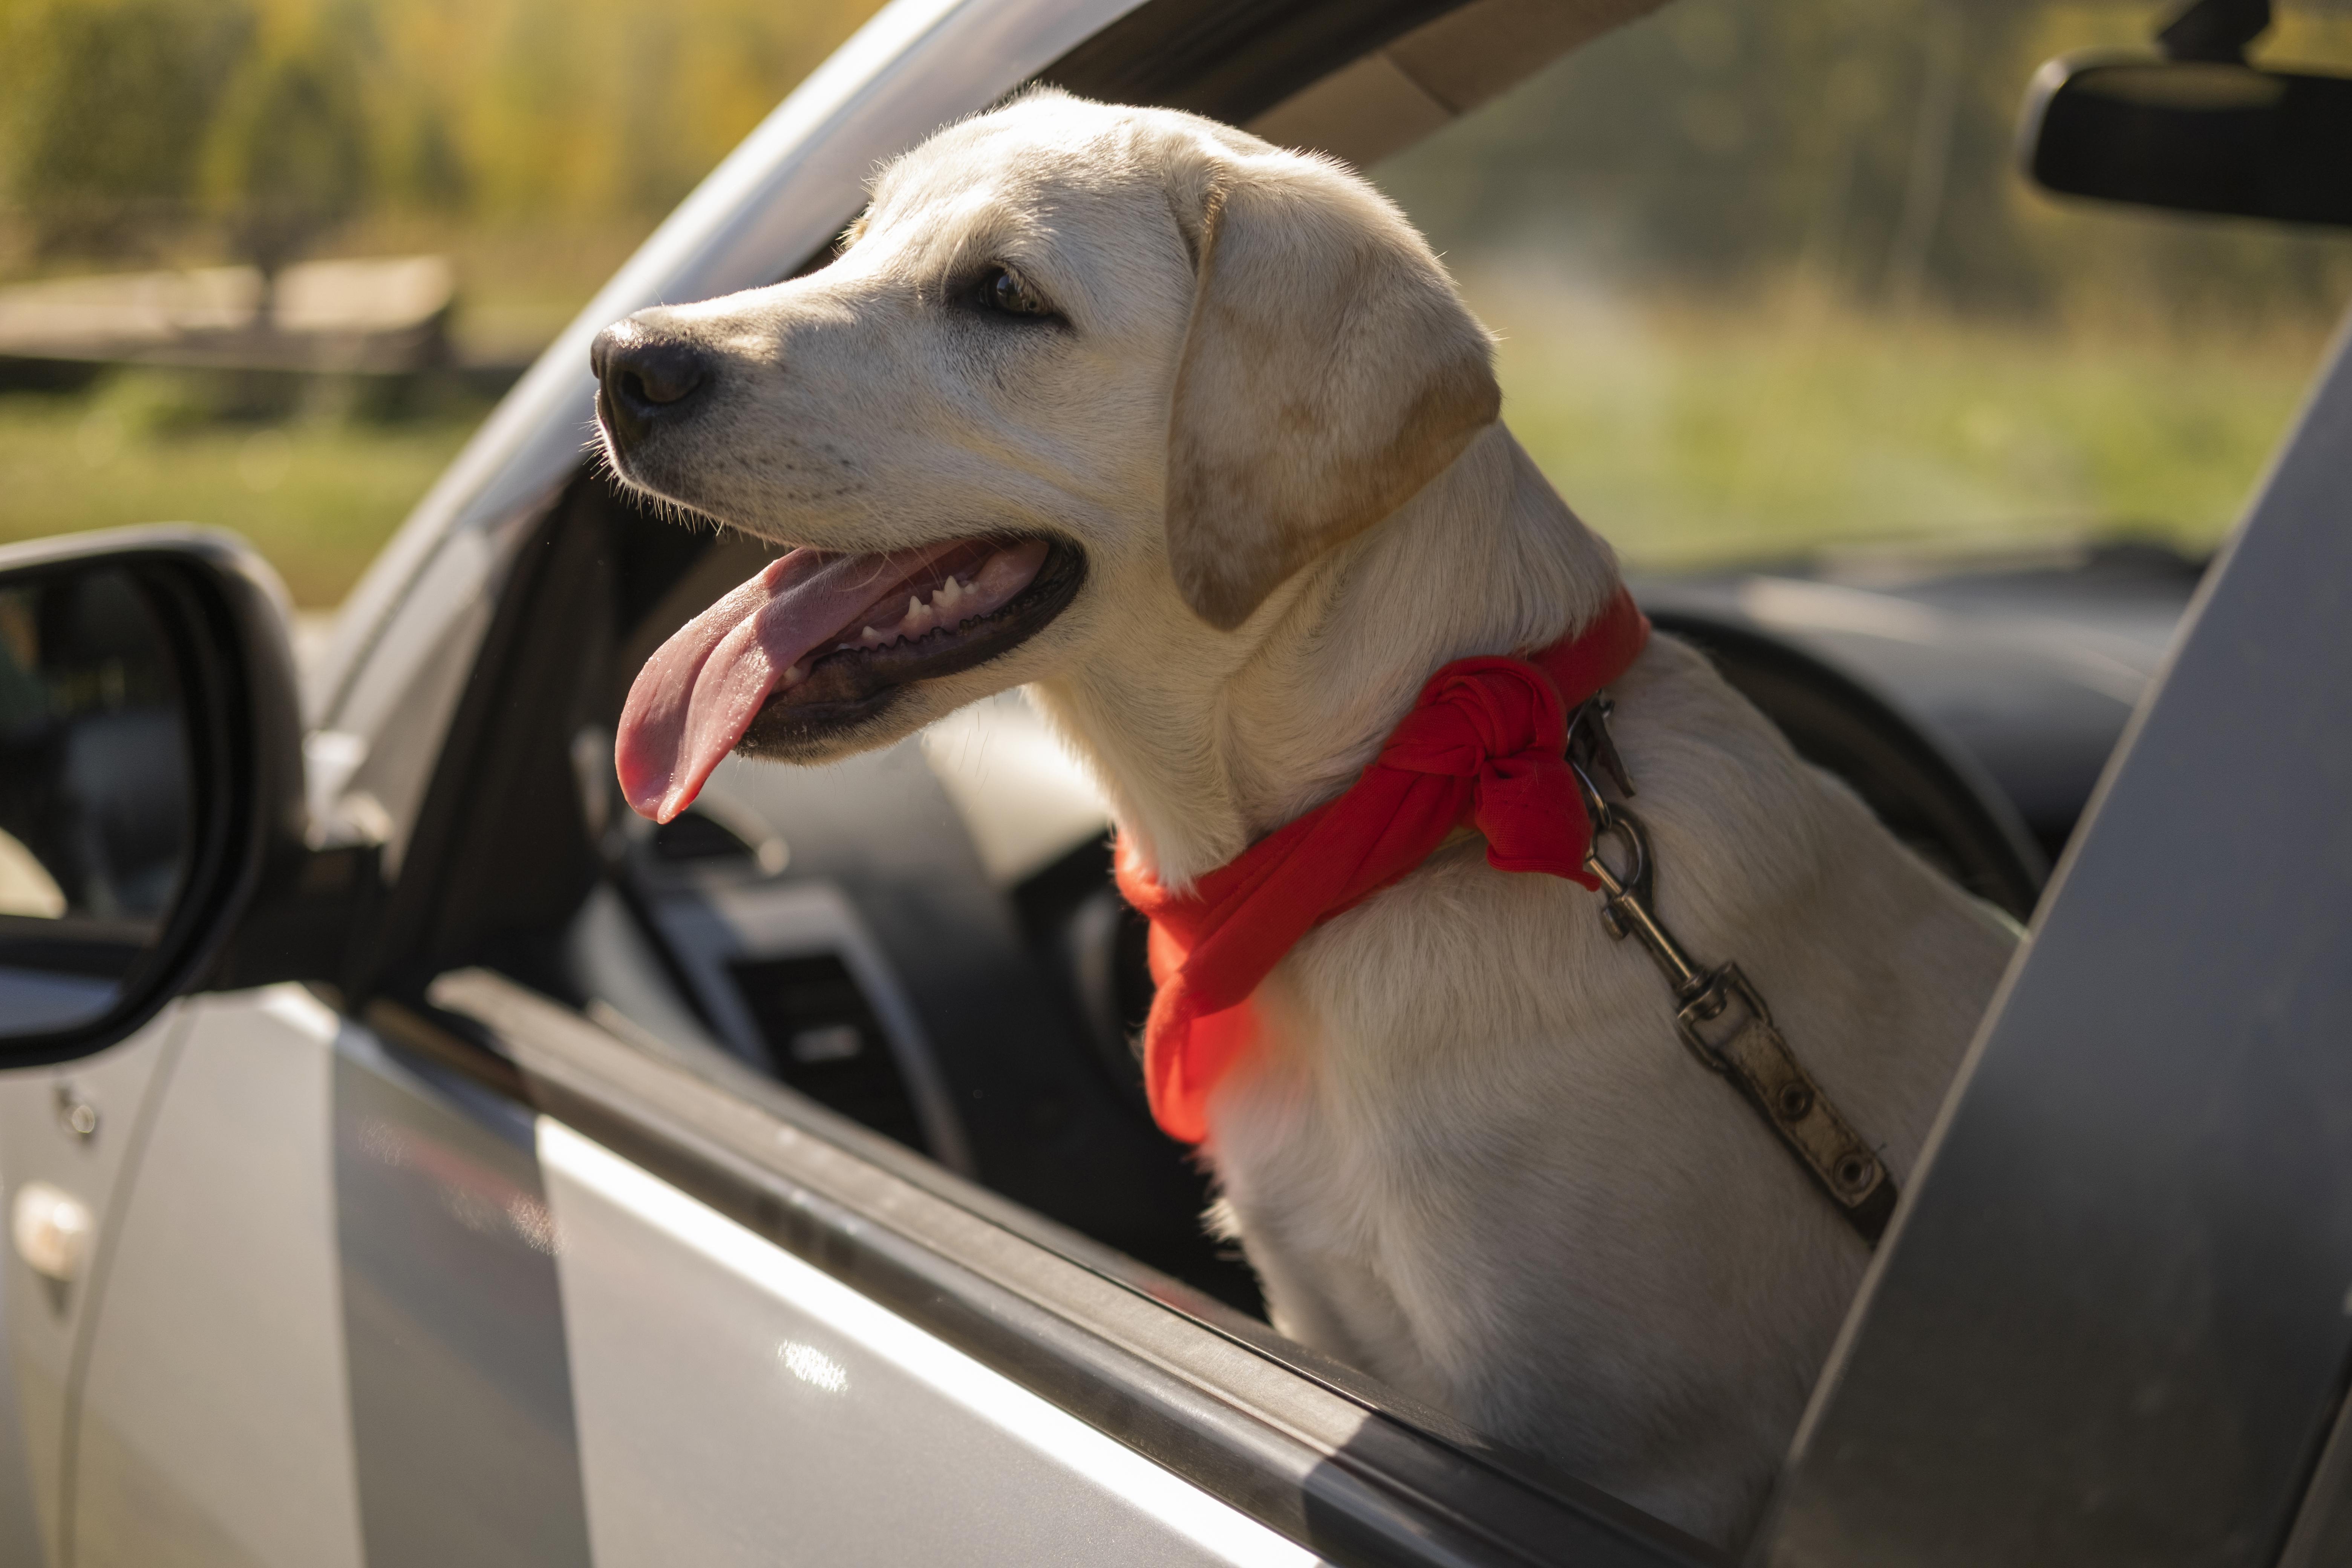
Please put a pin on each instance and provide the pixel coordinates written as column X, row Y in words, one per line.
column 696, row 694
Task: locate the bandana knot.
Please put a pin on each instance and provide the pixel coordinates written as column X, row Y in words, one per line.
column 1484, row 743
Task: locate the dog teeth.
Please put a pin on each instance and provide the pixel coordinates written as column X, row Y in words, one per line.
column 792, row 676
column 921, row 619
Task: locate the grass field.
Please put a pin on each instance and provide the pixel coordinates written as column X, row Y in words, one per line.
column 317, row 495
column 1686, row 433
column 1698, row 433
column 318, row 486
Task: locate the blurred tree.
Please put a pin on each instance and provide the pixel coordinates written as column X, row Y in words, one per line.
column 598, row 108
column 431, row 171
column 121, row 119
column 107, row 108
column 1866, row 146
column 287, row 158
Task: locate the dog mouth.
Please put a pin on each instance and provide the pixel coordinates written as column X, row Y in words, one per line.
column 820, row 641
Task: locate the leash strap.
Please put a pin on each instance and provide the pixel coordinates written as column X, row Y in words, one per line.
column 1718, row 1014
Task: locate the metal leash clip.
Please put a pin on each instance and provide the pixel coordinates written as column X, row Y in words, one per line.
column 1720, row 1018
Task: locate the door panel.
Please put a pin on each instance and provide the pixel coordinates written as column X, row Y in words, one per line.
column 366, row 1307
column 461, row 1399
column 214, row 1420
column 331, row 1332
column 77, row 1128
column 25, row 1524
column 793, row 1339
column 738, row 1405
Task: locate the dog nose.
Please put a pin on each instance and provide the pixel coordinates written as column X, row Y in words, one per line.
column 643, row 378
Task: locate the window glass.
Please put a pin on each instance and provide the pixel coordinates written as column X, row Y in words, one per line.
column 1766, row 281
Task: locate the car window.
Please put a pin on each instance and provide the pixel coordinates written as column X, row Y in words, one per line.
column 1766, row 282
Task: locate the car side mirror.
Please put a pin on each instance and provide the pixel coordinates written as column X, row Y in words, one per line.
column 2197, row 129
column 151, row 774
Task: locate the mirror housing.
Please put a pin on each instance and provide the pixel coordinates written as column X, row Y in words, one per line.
column 151, row 774
column 2197, row 129
column 2193, row 135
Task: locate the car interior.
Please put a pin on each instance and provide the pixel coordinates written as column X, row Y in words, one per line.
column 862, row 935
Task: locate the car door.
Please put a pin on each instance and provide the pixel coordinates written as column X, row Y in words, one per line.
column 486, row 1283
column 449, row 1327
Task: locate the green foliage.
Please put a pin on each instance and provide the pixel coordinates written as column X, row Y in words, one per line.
column 317, row 495
column 109, row 108
column 1692, row 431
column 1767, row 280
column 119, row 120
column 1765, row 273
column 1868, row 143
column 289, row 152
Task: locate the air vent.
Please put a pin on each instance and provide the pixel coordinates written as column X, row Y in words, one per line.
column 823, row 1039
column 694, row 837
column 698, row 837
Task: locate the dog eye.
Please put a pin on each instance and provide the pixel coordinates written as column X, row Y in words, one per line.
column 1003, row 290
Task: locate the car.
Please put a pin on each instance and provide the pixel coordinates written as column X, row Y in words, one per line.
column 412, row 1156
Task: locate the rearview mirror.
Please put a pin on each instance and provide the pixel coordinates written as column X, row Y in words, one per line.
column 149, row 769
column 2198, row 130
column 2195, row 135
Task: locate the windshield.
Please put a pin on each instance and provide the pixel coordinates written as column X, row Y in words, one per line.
column 1766, row 283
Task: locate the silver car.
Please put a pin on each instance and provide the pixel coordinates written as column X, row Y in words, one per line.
column 411, row 1157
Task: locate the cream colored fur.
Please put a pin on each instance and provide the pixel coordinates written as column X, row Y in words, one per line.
column 1475, row 1160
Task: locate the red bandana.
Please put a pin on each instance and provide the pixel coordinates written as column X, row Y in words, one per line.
column 1485, row 742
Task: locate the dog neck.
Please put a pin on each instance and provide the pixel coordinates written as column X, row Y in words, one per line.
column 1206, row 741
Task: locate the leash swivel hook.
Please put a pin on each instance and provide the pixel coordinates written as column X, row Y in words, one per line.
column 1718, row 1014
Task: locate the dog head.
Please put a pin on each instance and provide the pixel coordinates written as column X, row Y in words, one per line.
column 1077, row 371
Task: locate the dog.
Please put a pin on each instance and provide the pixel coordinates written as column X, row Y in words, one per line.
column 1194, row 437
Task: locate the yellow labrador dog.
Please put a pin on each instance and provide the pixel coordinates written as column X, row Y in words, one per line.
column 1194, row 437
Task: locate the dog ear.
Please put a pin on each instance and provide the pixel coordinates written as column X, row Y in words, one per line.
column 1330, row 371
